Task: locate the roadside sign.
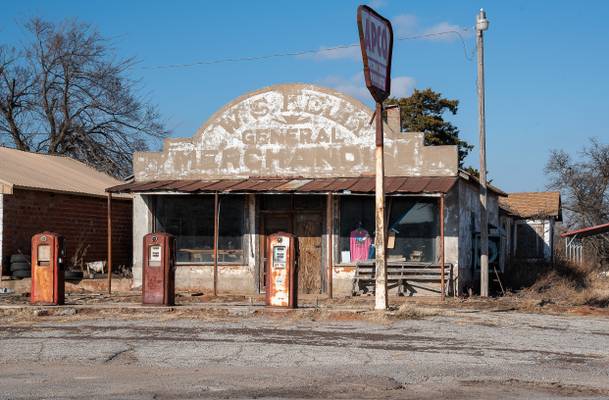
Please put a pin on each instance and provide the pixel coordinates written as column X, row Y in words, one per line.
column 376, row 42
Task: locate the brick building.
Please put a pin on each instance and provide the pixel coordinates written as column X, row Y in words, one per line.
column 51, row 193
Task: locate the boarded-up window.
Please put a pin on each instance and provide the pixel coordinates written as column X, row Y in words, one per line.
column 529, row 240
column 191, row 220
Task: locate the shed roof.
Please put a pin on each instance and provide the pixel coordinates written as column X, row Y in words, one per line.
column 36, row 171
column 533, row 204
column 393, row 185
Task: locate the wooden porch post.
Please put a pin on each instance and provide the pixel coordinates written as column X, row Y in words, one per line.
column 330, row 251
column 109, row 260
column 442, row 260
column 216, row 223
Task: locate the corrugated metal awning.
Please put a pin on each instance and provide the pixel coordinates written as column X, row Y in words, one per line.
column 393, row 185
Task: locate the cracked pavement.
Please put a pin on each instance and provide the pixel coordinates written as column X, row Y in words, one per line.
column 468, row 355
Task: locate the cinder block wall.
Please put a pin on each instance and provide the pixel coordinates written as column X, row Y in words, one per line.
column 80, row 219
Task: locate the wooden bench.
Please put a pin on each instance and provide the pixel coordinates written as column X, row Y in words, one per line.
column 400, row 275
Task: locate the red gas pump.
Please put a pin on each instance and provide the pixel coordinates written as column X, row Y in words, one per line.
column 47, row 269
column 158, row 281
column 281, row 285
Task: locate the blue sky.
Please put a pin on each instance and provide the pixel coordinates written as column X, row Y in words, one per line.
column 546, row 62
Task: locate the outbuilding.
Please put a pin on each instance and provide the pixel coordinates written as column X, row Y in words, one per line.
column 40, row 192
column 300, row 158
column 529, row 221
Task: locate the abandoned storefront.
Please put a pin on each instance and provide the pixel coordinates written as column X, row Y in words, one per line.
column 299, row 158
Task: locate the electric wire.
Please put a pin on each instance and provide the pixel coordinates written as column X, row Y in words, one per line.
column 459, row 33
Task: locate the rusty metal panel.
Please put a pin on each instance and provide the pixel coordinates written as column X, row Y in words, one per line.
column 441, row 184
column 198, row 186
column 364, row 185
column 177, row 185
column 293, row 185
column 317, row 185
column 415, row 185
column 130, row 187
column 166, row 185
column 222, row 185
column 342, row 184
column 146, row 186
column 247, row 185
column 393, row 183
column 269, row 185
column 122, row 188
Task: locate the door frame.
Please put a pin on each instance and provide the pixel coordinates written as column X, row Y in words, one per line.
column 261, row 257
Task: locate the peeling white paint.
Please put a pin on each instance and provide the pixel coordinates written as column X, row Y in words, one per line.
column 293, row 130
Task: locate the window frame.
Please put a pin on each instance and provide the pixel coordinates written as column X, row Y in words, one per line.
column 244, row 223
column 434, row 199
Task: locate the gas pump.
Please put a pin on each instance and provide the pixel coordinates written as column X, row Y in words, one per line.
column 158, row 281
column 281, row 285
column 47, row 269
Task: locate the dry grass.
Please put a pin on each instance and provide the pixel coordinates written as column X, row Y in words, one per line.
column 569, row 284
column 412, row 311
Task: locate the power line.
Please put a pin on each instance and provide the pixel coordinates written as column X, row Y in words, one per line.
column 459, row 33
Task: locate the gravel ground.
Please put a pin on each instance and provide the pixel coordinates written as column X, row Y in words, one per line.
column 473, row 355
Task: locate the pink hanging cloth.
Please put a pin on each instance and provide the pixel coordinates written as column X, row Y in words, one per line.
column 359, row 244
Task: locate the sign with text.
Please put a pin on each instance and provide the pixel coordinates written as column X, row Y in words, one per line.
column 376, row 42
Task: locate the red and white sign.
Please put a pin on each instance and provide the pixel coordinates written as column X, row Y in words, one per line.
column 376, row 42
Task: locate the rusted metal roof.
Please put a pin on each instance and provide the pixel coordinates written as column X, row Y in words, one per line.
column 393, row 185
column 590, row 231
column 22, row 169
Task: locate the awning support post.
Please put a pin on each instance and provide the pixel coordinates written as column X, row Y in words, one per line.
column 216, row 223
column 442, row 251
column 109, row 255
column 330, row 251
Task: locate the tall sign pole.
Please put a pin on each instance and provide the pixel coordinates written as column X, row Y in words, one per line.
column 481, row 26
column 376, row 42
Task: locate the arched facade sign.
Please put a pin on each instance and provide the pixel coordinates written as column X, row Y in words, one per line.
column 293, row 130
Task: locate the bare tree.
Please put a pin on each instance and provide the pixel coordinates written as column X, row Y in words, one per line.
column 67, row 93
column 584, row 187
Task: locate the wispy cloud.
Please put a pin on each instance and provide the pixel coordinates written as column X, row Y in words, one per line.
column 402, row 86
column 403, row 25
column 409, row 25
column 355, row 85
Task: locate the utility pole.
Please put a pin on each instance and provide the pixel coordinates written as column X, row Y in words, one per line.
column 481, row 26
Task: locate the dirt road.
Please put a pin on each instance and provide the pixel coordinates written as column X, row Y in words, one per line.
column 468, row 355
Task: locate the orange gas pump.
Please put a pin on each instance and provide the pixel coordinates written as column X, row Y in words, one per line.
column 281, row 285
column 158, row 280
column 47, row 269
